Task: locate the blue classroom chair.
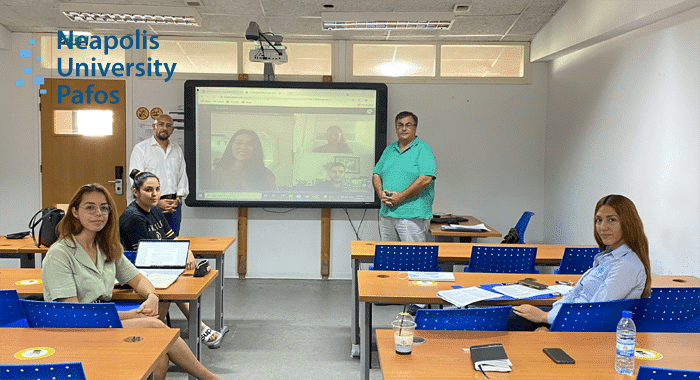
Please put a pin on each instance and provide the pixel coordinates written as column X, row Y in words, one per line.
column 73, row 371
column 405, row 257
column 576, row 260
column 522, row 225
column 11, row 310
column 668, row 310
column 653, row 373
column 71, row 314
column 478, row 319
column 591, row 316
column 502, row 259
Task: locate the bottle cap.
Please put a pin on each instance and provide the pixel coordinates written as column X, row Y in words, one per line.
column 626, row 314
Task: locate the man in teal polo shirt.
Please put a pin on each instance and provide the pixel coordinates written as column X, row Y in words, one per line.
column 404, row 181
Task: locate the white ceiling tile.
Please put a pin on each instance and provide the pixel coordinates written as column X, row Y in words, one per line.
column 475, row 25
column 487, row 19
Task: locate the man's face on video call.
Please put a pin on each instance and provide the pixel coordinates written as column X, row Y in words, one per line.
column 337, row 173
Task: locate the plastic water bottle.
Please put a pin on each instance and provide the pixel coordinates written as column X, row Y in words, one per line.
column 626, row 334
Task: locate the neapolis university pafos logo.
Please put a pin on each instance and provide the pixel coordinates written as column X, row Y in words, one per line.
column 103, row 45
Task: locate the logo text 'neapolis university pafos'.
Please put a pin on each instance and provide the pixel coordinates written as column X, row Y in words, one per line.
column 95, row 69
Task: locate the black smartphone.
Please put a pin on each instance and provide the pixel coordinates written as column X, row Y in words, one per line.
column 532, row 284
column 558, row 356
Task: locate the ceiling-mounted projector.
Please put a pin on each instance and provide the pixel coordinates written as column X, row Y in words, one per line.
column 268, row 47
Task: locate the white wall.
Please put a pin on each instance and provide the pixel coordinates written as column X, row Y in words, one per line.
column 20, row 194
column 623, row 117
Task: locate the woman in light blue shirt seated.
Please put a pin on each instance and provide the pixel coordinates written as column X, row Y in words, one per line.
column 620, row 271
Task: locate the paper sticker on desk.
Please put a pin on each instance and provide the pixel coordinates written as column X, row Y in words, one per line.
column 425, row 283
column 33, row 281
column 644, row 354
column 431, row 276
column 460, row 227
column 34, row 353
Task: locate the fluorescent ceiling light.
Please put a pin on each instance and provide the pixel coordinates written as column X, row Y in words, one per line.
column 386, row 20
column 143, row 14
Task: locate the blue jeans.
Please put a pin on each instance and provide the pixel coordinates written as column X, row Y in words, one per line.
column 174, row 218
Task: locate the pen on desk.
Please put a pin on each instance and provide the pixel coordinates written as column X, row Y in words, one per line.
column 509, row 283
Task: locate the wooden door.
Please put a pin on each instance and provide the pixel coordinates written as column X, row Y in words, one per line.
column 70, row 155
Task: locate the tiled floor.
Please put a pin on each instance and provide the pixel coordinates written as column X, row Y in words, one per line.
column 284, row 329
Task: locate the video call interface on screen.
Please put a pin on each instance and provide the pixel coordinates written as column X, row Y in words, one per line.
column 285, row 145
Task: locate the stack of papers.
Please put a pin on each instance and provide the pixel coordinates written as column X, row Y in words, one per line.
column 464, row 296
column 522, row 292
column 431, row 276
column 460, row 227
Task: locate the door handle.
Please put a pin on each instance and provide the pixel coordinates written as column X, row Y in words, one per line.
column 118, row 186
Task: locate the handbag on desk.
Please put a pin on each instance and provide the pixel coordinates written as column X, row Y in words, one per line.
column 49, row 221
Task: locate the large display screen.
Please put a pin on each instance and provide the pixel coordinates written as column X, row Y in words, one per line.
column 283, row 144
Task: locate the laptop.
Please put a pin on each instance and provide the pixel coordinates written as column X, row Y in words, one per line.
column 162, row 261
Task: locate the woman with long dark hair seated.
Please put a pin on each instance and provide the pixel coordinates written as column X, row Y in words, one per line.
column 143, row 220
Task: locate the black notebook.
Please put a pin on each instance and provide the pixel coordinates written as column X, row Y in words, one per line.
column 490, row 357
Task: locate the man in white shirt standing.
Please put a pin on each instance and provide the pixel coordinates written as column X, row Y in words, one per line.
column 166, row 160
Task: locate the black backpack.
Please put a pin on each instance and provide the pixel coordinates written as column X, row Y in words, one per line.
column 512, row 237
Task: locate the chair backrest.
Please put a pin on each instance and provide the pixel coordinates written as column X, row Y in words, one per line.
column 591, row 316
column 577, row 260
column 668, row 310
column 479, row 318
column 502, row 259
column 522, row 225
column 131, row 256
column 11, row 310
column 653, row 373
column 73, row 371
column 406, row 257
column 71, row 315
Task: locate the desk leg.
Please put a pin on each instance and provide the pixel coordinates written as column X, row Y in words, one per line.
column 355, row 317
column 26, row 260
column 366, row 342
column 219, row 298
column 193, row 328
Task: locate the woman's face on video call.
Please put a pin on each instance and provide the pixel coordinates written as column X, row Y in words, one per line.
column 242, row 147
column 608, row 227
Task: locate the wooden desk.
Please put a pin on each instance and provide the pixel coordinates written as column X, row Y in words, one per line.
column 103, row 352
column 186, row 288
column 363, row 251
column 393, row 287
column 441, row 356
column 213, row 247
column 9, row 248
column 463, row 236
column 209, row 247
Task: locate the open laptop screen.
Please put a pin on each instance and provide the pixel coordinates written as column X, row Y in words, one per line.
column 162, row 253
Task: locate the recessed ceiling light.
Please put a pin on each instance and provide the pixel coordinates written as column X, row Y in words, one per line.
column 109, row 13
column 386, row 20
